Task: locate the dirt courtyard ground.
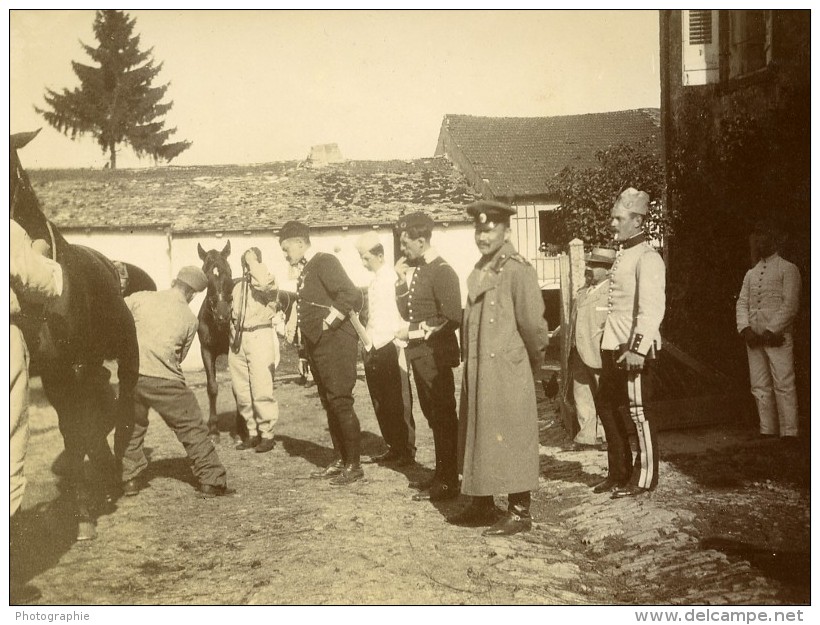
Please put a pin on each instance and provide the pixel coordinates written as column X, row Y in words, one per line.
column 728, row 525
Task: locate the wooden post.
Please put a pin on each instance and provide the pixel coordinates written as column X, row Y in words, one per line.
column 572, row 278
column 576, row 266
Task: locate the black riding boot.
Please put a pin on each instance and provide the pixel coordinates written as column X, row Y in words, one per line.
column 351, row 434
column 479, row 512
column 516, row 520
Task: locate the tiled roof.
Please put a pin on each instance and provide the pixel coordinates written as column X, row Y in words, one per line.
column 253, row 196
column 518, row 156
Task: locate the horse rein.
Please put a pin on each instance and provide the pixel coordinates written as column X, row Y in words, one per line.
column 237, row 339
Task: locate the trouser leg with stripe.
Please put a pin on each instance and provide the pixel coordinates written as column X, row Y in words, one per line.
column 639, row 391
column 610, row 398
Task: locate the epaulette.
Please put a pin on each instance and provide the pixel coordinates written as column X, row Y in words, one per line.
column 502, row 260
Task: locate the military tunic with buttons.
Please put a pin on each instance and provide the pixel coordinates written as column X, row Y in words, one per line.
column 503, row 341
column 432, row 300
column 431, row 304
column 635, row 308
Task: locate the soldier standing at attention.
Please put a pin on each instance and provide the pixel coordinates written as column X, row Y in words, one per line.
column 326, row 296
column 765, row 312
column 504, row 338
column 429, row 300
column 635, row 309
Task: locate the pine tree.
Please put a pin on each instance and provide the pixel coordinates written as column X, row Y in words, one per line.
column 116, row 102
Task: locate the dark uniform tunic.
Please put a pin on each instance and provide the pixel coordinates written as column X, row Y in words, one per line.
column 431, row 303
column 325, row 293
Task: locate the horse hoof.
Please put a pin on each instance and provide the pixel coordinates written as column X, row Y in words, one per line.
column 214, row 437
column 86, row 531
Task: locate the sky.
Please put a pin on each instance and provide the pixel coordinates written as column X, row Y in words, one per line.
column 261, row 86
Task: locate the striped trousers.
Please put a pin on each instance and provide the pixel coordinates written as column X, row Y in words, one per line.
column 619, row 389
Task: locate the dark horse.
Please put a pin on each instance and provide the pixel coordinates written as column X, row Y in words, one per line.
column 214, row 329
column 70, row 338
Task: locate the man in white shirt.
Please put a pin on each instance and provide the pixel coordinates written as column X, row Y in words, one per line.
column 385, row 365
column 765, row 313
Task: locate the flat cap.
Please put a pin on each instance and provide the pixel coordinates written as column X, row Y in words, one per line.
column 490, row 213
column 294, row 229
column 367, row 242
column 634, row 201
column 194, row 277
column 603, row 255
column 415, row 220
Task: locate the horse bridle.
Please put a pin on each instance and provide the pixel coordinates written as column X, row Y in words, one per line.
column 22, row 181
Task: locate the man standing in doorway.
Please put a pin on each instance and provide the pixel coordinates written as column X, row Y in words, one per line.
column 635, row 308
column 385, row 364
column 429, row 300
column 325, row 299
column 503, row 344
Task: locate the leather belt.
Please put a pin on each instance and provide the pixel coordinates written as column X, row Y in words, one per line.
column 261, row 326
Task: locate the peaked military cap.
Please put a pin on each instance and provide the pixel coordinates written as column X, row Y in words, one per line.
column 294, row 229
column 415, row 220
column 489, row 213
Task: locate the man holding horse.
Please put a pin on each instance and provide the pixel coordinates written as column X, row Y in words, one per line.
column 32, row 277
column 325, row 299
column 166, row 327
column 254, row 351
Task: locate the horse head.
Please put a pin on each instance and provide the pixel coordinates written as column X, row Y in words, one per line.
column 24, row 207
column 220, row 283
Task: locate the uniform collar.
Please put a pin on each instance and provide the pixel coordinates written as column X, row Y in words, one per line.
column 495, row 261
column 309, row 254
column 430, row 255
column 633, row 241
column 770, row 258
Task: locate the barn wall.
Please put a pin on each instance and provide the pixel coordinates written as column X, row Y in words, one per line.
column 149, row 250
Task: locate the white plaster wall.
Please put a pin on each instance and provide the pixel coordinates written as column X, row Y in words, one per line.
column 148, row 250
column 151, row 251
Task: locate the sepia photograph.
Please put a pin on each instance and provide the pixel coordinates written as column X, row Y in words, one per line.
column 440, row 307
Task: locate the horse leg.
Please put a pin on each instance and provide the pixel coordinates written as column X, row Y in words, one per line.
column 209, row 361
column 102, row 420
column 67, row 396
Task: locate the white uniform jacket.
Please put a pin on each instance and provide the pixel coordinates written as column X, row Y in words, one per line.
column 636, row 298
column 769, row 297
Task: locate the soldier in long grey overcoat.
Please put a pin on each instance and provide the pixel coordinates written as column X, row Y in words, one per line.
column 504, row 335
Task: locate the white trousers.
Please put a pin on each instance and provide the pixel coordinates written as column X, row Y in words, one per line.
column 584, row 385
column 771, row 372
column 252, row 374
column 18, row 417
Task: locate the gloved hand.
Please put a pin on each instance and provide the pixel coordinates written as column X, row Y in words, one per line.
column 772, row 340
column 751, row 337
